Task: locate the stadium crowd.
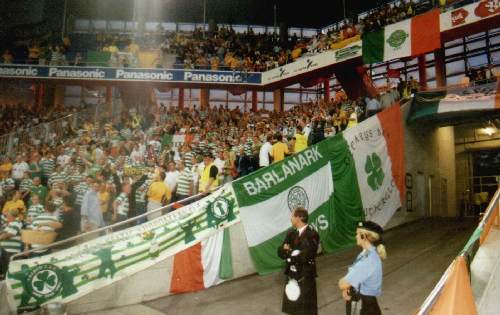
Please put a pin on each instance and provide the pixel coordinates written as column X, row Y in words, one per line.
column 106, row 172
column 19, row 117
column 222, row 48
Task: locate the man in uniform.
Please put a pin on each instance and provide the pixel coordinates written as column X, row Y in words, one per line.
column 299, row 251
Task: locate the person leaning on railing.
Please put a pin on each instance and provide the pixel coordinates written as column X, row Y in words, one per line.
column 10, row 240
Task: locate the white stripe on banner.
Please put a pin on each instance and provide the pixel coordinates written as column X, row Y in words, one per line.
column 397, row 40
column 211, row 252
column 267, row 219
column 484, row 103
column 380, row 200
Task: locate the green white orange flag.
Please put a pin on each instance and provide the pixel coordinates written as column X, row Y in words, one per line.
column 344, row 179
column 411, row 37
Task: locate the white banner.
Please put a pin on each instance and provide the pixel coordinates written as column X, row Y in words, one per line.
column 69, row 274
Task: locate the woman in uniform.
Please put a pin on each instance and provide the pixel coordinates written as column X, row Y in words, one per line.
column 364, row 277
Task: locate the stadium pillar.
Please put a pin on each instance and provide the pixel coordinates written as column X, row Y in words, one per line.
column 58, row 95
column 422, row 72
column 39, row 94
column 181, row 98
column 204, row 98
column 326, row 84
column 279, row 95
column 109, row 99
column 439, row 61
column 254, row 101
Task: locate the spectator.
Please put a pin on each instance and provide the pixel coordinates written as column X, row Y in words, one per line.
column 265, row 151
column 158, row 195
column 209, row 179
column 91, row 214
column 184, row 182
column 10, row 240
column 279, row 149
column 47, row 221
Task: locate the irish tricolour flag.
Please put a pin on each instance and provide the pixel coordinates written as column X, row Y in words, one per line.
column 203, row 265
column 411, row 37
column 355, row 175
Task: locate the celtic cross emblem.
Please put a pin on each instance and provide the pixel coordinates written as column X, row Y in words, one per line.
column 373, row 167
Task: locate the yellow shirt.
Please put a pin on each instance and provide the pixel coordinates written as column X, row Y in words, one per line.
column 278, row 151
column 205, row 178
column 157, row 191
column 300, row 142
column 10, row 205
column 103, row 200
column 6, row 167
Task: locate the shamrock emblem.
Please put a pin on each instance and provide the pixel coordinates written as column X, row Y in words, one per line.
column 373, row 167
column 44, row 279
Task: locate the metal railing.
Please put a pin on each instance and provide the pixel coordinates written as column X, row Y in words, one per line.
column 110, row 228
column 466, row 252
column 46, row 131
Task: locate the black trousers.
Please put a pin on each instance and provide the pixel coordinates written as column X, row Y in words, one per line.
column 369, row 306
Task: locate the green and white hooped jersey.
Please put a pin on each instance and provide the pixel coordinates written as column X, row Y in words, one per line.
column 123, row 204
column 13, row 244
column 38, row 224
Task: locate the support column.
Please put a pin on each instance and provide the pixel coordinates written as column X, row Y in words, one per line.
column 439, row 61
column 109, row 99
column 58, row 95
column 204, row 99
column 326, row 86
column 278, row 100
column 39, row 95
column 422, row 72
column 181, row 98
column 254, row 101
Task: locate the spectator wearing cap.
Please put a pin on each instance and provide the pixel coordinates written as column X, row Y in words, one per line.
column 364, row 278
column 209, row 179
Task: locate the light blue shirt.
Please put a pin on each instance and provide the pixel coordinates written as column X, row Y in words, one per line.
column 92, row 209
column 365, row 275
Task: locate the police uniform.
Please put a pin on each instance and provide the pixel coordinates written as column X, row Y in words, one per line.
column 301, row 268
column 365, row 276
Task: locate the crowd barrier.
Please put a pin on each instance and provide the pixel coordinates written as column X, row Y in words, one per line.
column 453, row 293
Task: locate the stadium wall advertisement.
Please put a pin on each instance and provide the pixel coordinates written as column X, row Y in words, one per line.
column 130, row 74
column 311, row 63
column 468, row 14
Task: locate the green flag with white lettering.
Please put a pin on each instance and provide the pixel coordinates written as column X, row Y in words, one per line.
column 321, row 179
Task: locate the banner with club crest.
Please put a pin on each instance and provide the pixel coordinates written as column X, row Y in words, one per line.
column 71, row 273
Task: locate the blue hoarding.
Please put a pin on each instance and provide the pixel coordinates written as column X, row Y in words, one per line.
column 130, row 74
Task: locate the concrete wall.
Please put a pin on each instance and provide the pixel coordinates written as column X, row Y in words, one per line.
column 430, row 156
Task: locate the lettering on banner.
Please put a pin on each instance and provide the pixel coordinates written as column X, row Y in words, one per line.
column 289, row 168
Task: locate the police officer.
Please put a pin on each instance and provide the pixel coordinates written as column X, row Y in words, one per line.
column 299, row 251
column 364, row 278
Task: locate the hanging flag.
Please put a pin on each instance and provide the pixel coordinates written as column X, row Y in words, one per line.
column 203, row 265
column 411, row 37
column 456, row 297
column 445, row 104
column 356, row 175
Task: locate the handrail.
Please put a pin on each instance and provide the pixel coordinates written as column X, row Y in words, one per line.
column 7, row 138
column 109, row 227
column 431, row 298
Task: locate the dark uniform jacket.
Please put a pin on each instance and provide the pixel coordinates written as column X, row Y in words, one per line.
column 301, row 268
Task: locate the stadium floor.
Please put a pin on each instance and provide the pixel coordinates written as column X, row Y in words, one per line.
column 418, row 254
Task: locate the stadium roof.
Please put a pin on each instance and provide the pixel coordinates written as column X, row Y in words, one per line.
column 305, row 13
